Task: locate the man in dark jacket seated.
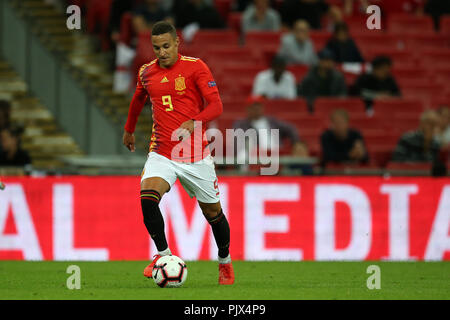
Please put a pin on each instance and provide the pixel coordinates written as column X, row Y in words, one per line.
column 340, row 143
column 322, row 80
column 378, row 84
column 342, row 46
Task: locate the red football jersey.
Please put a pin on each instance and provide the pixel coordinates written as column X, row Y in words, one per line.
column 177, row 95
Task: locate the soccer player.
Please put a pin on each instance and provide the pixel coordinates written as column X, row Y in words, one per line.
column 177, row 87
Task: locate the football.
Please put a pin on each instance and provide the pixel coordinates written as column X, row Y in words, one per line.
column 169, row 272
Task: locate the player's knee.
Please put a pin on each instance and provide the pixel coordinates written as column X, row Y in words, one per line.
column 210, row 210
column 213, row 215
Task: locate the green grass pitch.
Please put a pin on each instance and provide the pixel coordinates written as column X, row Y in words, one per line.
column 254, row 280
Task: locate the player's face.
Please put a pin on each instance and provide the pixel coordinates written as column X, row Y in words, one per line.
column 165, row 47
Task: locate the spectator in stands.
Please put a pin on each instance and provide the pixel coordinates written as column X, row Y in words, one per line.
column 276, row 82
column 256, row 119
column 322, row 80
column 378, row 84
column 297, row 47
column 419, row 145
column 118, row 8
column 309, row 10
column 200, row 12
column 12, row 153
column 5, row 116
column 342, row 144
column 353, row 7
column 443, row 134
column 342, row 46
column 148, row 13
column 241, row 5
column 259, row 16
column 412, row 7
column 437, row 8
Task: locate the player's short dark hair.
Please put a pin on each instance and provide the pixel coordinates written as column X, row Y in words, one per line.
column 163, row 27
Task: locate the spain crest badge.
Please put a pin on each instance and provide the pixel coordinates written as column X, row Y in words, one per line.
column 180, row 84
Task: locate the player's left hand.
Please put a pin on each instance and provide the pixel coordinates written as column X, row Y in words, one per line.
column 185, row 130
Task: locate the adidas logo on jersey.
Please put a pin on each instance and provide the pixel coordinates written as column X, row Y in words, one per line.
column 164, row 80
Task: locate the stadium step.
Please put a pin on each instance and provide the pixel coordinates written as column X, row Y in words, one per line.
column 80, row 53
column 42, row 138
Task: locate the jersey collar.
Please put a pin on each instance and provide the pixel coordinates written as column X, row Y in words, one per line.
column 176, row 62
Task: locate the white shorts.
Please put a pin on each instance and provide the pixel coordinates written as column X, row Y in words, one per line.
column 198, row 178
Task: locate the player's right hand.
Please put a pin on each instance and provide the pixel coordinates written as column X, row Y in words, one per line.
column 129, row 140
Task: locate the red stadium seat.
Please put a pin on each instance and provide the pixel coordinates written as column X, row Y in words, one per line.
column 388, row 140
column 405, row 166
column 435, row 58
column 126, row 28
column 234, row 22
column 270, row 39
column 222, row 123
column 406, row 23
column 393, row 53
column 144, row 50
column 234, row 106
column 426, row 91
column 307, row 125
column 442, row 75
column 285, row 106
column 235, row 89
column 380, row 154
column 409, row 82
column 367, row 41
column 319, row 38
column 403, row 122
column 230, row 54
column 299, row 71
column 418, row 42
column 388, row 107
column 409, row 72
column 436, row 102
column 242, row 71
column 366, row 123
column 351, row 166
column 325, row 106
column 97, row 19
column 223, row 7
column 208, row 38
column 445, row 25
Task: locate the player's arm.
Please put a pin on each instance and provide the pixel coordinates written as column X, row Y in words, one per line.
column 136, row 106
column 206, row 84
